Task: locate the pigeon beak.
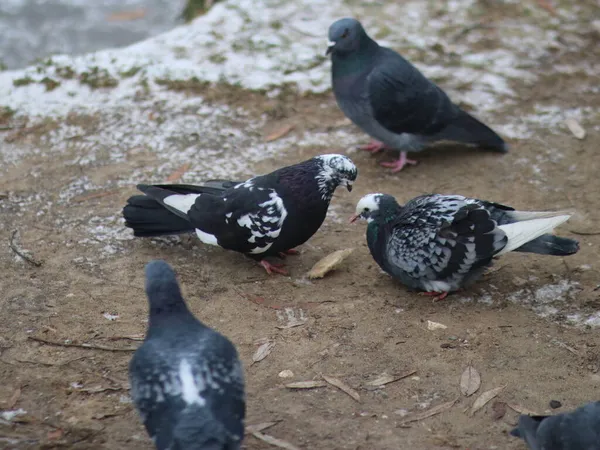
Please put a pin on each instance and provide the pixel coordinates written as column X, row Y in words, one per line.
column 349, row 187
column 354, row 217
column 330, row 46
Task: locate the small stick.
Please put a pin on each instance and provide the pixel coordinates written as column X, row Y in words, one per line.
column 87, row 346
column 20, row 252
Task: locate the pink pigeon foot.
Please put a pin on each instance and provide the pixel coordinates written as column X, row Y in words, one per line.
column 373, row 147
column 273, row 268
column 437, row 295
column 399, row 164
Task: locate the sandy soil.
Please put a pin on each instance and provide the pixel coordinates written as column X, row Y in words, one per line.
column 521, row 326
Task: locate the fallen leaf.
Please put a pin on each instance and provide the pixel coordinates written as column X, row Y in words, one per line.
column 123, row 16
column 575, row 128
column 469, row 381
column 481, row 401
column 432, row 326
column 547, row 6
column 522, row 410
column 287, row 373
column 342, row 387
column 306, row 384
column 498, row 410
column 387, row 379
column 430, row 412
column 279, row 133
column 178, row 173
column 260, row 427
column 93, row 196
column 328, row 263
column 14, row 398
column 55, row 435
column 274, row 441
column 263, row 351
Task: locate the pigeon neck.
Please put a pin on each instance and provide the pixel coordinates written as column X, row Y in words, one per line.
column 345, row 63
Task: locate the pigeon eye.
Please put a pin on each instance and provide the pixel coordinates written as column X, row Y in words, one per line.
column 366, row 209
column 345, row 33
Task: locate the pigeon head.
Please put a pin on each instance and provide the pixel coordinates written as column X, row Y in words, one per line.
column 345, row 36
column 372, row 206
column 335, row 170
column 162, row 289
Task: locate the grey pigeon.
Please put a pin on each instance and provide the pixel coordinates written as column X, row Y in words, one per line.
column 186, row 379
column 440, row 243
column 264, row 216
column 392, row 101
column 575, row 430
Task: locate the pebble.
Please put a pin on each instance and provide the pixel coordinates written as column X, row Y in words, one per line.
column 555, row 404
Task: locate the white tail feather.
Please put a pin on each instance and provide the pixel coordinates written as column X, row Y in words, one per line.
column 519, row 233
column 519, row 216
column 181, row 202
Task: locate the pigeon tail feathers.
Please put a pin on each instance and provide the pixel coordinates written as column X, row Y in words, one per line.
column 520, row 233
column 467, row 129
column 147, row 217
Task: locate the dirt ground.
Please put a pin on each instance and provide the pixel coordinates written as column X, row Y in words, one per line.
column 359, row 324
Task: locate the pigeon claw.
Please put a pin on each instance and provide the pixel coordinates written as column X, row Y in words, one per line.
column 437, row 295
column 273, row 268
column 373, row 147
column 399, row 164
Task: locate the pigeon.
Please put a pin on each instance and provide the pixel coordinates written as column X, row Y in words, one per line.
column 575, row 430
column 186, row 379
column 392, row 101
column 441, row 243
column 264, row 216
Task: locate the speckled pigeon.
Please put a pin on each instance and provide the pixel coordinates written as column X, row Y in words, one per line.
column 265, row 216
column 187, row 382
column 392, row 101
column 575, row 430
column 440, row 243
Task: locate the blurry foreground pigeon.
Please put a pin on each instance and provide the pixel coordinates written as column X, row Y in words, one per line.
column 576, row 430
column 440, row 243
column 265, row 216
column 186, row 379
column 389, row 99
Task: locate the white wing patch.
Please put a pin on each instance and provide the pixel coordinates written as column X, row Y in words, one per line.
column 266, row 223
column 190, row 391
column 181, row 202
column 207, row 238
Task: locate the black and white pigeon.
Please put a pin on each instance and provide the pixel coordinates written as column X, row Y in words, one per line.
column 575, row 430
column 186, row 379
column 440, row 243
column 393, row 102
column 265, row 216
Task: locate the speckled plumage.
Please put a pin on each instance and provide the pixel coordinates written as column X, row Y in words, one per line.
column 260, row 217
column 439, row 243
column 186, row 379
column 575, row 430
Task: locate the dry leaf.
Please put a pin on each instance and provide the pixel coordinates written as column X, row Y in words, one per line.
column 430, row 412
column 330, row 262
column 521, row 410
column 124, row 16
column 263, row 351
column 279, row 133
column 306, row 384
column 499, row 410
column 387, row 379
column 14, row 398
column 274, row 441
column 55, row 435
column 575, row 128
column 260, row 427
column 432, row 326
column 178, row 173
column 547, row 6
column 481, row 401
column 342, row 387
column 287, row 373
column 93, row 196
column 469, row 381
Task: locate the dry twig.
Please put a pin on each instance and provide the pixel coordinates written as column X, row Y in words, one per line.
column 86, row 346
column 22, row 253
